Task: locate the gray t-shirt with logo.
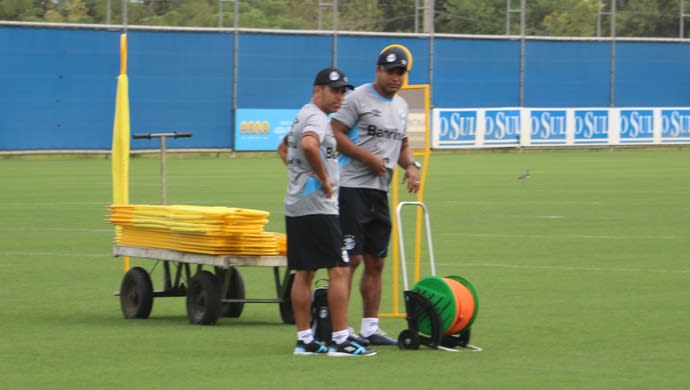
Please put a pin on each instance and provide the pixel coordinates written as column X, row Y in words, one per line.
column 305, row 195
column 377, row 124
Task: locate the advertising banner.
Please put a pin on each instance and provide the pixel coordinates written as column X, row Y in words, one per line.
column 636, row 126
column 591, row 127
column 547, row 127
column 502, row 127
column 675, row 125
column 261, row 129
column 455, row 128
column 495, row 127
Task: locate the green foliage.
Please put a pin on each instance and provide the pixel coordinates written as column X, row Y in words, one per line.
column 473, row 17
column 76, row 11
column 576, row 18
column 638, row 17
column 398, row 15
column 634, row 18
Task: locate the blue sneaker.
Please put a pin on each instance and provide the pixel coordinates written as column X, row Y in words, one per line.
column 313, row 348
column 357, row 338
column 349, row 348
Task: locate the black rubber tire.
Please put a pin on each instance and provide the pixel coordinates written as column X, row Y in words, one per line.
column 235, row 291
column 136, row 294
column 457, row 340
column 203, row 299
column 286, row 313
column 408, row 339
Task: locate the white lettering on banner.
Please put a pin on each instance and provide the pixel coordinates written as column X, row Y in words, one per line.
column 502, row 125
column 676, row 124
column 457, row 126
column 563, row 126
column 637, row 123
column 548, row 124
column 591, row 124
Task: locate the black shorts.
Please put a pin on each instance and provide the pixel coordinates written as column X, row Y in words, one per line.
column 314, row 242
column 365, row 219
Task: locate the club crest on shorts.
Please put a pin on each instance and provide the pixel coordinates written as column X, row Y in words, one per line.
column 349, row 242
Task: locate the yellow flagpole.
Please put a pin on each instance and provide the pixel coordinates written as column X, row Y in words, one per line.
column 121, row 134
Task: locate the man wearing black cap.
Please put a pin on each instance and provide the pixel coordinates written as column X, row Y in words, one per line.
column 371, row 132
column 311, row 216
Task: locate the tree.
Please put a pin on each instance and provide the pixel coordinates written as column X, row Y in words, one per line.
column 76, row 11
column 18, row 9
column 472, row 17
column 395, row 16
column 575, row 18
column 634, row 18
column 647, row 18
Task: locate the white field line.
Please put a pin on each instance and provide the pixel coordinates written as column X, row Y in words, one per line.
column 564, row 236
column 33, row 205
column 55, row 254
column 530, row 267
column 561, row 267
column 51, row 229
column 525, row 202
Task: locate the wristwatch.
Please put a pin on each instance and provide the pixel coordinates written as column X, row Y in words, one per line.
column 415, row 163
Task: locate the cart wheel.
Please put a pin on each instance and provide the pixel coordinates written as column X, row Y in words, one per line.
column 136, row 294
column 235, row 291
column 286, row 313
column 203, row 299
column 408, row 339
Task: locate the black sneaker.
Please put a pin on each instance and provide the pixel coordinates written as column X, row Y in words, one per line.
column 313, row 348
column 357, row 338
column 349, row 348
column 380, row 338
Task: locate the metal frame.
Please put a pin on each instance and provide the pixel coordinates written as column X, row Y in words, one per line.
column 174, row 287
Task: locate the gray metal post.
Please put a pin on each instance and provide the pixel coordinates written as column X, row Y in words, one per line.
column 416, row 16
column 220, row 13
column 108, row 12
column 235, row 50
column 124, row 15
column 612, row 72
column 164, row 171
column 428, row 16
column 163, row 149
column 683, row 15
column 335, row 33
column 432, row 30
column 509, row 12
column 682, row 19
column 522, row 53
column 599, row 13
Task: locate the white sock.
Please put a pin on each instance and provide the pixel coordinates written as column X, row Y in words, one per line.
column 369, row 326
column 305, row 335
column 340, row 336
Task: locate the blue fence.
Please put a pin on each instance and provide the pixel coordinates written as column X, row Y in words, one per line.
column 58, row 84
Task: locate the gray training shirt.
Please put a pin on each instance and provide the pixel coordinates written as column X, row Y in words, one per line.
column 305, row 195
column 377, row 124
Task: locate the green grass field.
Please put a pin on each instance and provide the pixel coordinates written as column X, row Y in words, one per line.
column 582, row 273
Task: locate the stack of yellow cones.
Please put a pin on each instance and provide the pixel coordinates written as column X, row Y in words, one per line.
column 196, row 229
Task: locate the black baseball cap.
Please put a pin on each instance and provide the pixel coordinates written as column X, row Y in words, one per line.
column 393, row 58
column 332, row 77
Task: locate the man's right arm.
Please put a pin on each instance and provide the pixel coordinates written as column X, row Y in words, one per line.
column 348, row 148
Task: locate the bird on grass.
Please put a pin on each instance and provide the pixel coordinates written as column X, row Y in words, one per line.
column 526, row 175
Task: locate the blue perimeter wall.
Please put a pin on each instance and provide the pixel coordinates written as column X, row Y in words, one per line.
column 58, row 84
